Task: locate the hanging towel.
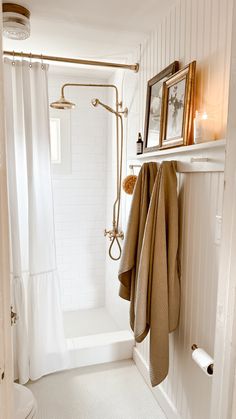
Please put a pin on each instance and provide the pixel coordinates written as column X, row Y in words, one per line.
column 135, row 230
column 149, row 266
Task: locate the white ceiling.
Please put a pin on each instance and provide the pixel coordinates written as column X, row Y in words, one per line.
column 96, row 29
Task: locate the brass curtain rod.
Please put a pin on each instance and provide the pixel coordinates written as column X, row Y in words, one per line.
column 133, row 67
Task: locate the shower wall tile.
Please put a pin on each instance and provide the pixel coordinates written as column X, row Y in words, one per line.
column 79, row 201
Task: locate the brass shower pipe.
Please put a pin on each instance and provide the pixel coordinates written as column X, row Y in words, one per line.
column 132, row 67
column 115, row 234
column 62, row 103
column 117, row 105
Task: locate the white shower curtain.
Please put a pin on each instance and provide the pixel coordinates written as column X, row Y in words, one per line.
column 39, row 342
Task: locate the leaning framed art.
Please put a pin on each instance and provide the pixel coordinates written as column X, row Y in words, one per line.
column 178, row 108
column 154, row 107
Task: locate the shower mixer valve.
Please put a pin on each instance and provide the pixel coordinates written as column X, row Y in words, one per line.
column 114, row 234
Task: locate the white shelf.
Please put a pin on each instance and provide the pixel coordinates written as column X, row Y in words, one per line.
column 203, row 157
column 184, row 149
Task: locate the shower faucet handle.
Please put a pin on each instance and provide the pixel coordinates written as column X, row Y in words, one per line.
column 108, row 233
column 120, row 234
column 114, row 233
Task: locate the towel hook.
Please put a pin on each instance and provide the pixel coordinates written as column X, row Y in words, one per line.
column 199, row 159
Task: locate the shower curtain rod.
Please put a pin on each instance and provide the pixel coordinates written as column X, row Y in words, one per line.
column 133, row 67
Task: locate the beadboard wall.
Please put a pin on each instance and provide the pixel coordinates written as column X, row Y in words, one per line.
column 187, row 387
column 201, row 31
column 193, row 30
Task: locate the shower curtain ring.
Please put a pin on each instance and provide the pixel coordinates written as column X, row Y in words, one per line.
column 30, row 64
column 13, row 58
column 42, row 65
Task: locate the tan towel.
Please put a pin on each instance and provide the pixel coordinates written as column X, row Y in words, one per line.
column 149, row 266
column 135, row 230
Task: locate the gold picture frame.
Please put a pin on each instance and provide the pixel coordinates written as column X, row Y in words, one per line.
column 178, row 108
column 152, row 127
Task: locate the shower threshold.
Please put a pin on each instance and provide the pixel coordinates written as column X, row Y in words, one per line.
column 94, row 338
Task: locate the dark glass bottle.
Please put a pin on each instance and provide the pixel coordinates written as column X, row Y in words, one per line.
column 139, row 144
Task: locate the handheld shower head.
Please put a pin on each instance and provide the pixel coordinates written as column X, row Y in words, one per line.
column 95, row 102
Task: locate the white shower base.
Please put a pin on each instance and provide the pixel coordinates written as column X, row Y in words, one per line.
column 94, row 338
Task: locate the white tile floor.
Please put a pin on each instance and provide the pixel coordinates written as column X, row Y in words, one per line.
column 108, row 391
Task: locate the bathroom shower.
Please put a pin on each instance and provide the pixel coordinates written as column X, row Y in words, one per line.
column 114, row 234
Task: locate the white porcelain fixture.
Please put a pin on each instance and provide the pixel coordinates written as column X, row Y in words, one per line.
column 25, row 406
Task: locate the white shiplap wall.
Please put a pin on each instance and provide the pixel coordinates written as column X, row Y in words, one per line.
column 193, row 30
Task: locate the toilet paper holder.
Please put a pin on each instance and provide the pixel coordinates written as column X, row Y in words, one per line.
column 203, row 359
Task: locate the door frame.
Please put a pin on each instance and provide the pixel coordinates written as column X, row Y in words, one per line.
column 6, row 361
column 224, row 380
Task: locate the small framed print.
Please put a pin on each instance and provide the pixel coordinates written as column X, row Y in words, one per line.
column 154, row 107
column 178, row 108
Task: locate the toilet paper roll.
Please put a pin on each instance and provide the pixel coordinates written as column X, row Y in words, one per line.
column 203, row 360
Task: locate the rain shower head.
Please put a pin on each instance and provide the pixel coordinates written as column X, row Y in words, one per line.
column 62, row 103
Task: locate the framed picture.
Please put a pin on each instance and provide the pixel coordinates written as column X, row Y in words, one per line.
column 154, row 107
column 178, row 108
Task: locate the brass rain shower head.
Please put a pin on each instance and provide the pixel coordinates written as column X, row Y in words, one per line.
column 62, row 103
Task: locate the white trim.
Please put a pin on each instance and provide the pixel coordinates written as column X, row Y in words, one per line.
column 183, row 149
column 55, row 140
column 207, row 157
column 6, row 385
column 161, row 397
column 64, row 165
column 225, row 341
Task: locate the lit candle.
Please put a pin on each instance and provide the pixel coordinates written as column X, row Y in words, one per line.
column 201, row 127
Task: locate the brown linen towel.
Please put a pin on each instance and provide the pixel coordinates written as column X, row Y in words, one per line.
column 152, row 276
column 134, row 236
